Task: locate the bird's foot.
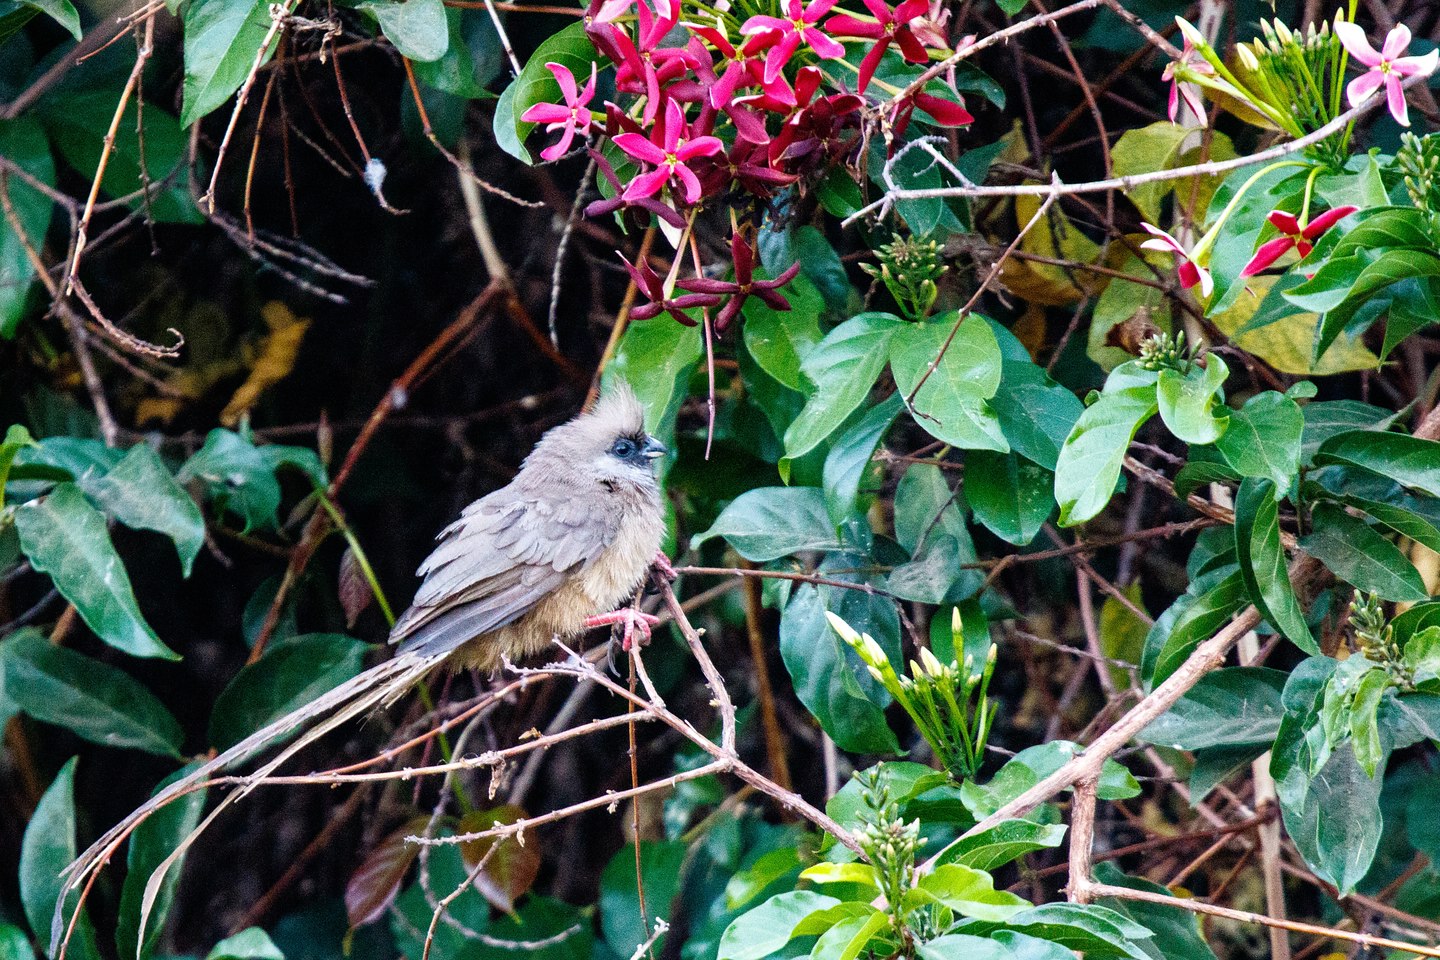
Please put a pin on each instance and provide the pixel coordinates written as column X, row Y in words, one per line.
column 636, row 625
column 662, row 568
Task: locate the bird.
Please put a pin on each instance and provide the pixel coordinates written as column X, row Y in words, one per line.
column 551, row 554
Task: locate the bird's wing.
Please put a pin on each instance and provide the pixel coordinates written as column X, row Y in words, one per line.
column 504, row 555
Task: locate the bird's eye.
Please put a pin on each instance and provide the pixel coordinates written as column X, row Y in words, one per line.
column 623, row 448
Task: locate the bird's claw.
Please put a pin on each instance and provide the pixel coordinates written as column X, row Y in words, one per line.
column 662, row 568
column 636, row 625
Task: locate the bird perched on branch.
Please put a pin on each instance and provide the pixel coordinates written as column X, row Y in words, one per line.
column 546, row 557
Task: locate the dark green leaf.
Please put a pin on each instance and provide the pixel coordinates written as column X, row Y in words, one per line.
column 1234, row 706
column 47, row 848
column 1263, row 439
column 819, row 263
column 1262, row 562
column 141, row 493
column 153, row 841
column 830, row 679
column 1410, row 461
column 237, row 478
column 952, row 403
column 91, row 699
column 62, row 11
column 1033, row 764
column 1091, row 929
column 417, row 28
column 1004, row 842
column 780, row 341
column 1036, row 414
column 1010, row 495
column 772, row 522
column 22, row 141
column 1327, row 418
column 66, row 537
column 849, row 460
column 1089, row 465
column 1369, row 279
column 14, row 944
column 222, row 38
column 570, row 48
column 1355, row 553
column 760, row 932
column 1199, row 613
column 1177, row 934
column 661, row 866
column 249, row 944
column 292, row 673
column 1337, row 827
column 843, row 367
column 1202, row 473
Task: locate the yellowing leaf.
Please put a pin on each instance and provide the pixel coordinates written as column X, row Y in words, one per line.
column 1055, row 237
column 274, row 358
column 1286, row 344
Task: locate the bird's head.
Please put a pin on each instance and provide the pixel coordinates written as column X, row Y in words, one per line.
column 609, row 442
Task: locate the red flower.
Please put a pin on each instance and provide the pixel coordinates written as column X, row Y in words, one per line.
column 604, row 207
column 573, row 117
column 744, row 285
column 743, row 66
column 670, row 151
column 947, row 113
column 1191, row 272
column 800, row 27
column 653, row 286
column 642, row 65
column 1292, row 235
column 888, row 26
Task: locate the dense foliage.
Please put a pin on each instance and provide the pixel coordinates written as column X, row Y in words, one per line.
column 952, row 315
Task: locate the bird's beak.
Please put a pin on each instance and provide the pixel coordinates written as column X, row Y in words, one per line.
column 653, row 449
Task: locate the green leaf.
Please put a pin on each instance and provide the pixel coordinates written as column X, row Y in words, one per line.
column 222, row 38
column 417, row 28
column 780, row 340
column 1233, row 706
column 1091, row 929
column 758, row 933
column 292, row 673
column 22, row 141
column 1390, row 267
column 1033, row 764
column 1036, row 414
column 952, row 404
column 1327, row 418
column 1010, row 495
column 661, row 864
column 1187, row 400
column 14, row 944
column 237, row 477
column 847, row 939
column 1089, row 465
column 1355, row 553
column 153, row 841
column 570, row 48
column 1202, row 610
column 843, row 367
column 1410, row 461
column 249, row 944
column 1382, row 499
column 819, row 263
column 1364, row 729
column 1006, row 841
column 1177, row 933
column 1202, row 473
column 1338, row 824
column 967, row 891
column 471, row 60
column 962, row 946
column 47, row 848
column 772, row 522
column 91, row 699
column 830, row 679
column 849, row 459
column 1262, row 562
column 62, row 12
column 1263, row 439
column 141, row 493
column 66, row 537
column 930, row 526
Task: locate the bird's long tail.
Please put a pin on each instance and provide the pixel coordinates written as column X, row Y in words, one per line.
column 379, row 686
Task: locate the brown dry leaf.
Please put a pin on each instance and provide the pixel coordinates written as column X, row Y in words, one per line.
column 375, row 883
column 274, row 358
column 1030, row 329
column 511, row 870
column 355, row 593
column 1288, row 344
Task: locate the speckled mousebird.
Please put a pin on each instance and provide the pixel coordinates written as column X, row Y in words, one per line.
column 545, row 557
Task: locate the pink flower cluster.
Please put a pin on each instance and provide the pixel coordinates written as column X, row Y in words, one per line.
column 708, row 110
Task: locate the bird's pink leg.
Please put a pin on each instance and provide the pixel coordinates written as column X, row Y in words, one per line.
column 661, row 565
column 635, row 621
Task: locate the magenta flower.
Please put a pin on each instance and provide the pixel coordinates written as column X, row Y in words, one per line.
column 889, row 26
column 1387, row 67
column 947, row 113
column 801, row 27
column 573, row 117
column 1191, row 272
column 743, row 65
column 1292, row 235
column 653, row 286
column 642, row 65
column 744, row 285
column 1190, row 60
column 670, row 151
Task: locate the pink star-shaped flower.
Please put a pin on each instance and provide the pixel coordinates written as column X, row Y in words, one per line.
column 1292, row 235
column 1190, row 60
column 1387, row 67
column 889, row 26
column 1191, row 272
column 572, row 117
column 670, row 152
column 799, row 27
